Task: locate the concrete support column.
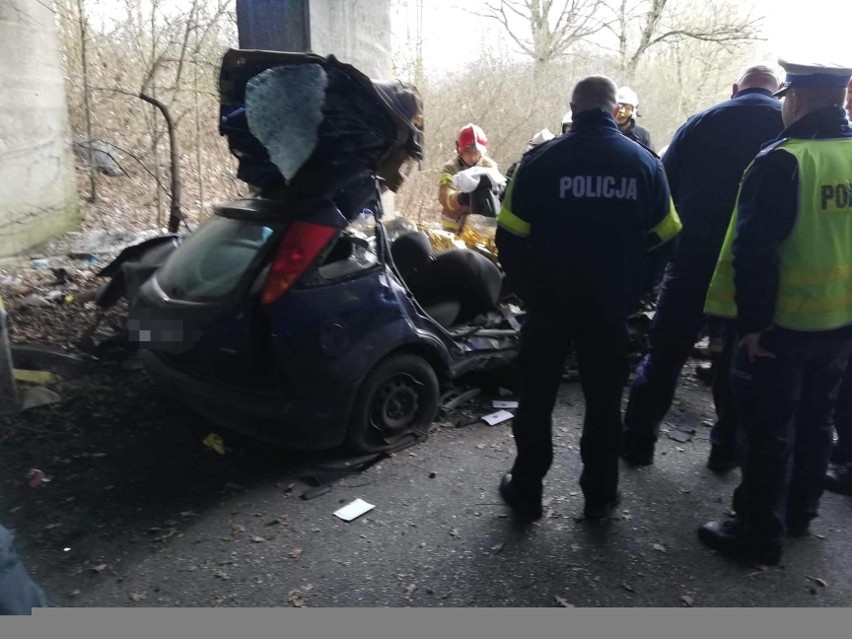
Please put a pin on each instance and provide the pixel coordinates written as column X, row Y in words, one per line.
column 38, row 189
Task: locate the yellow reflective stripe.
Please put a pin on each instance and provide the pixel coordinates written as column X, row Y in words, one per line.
column 668, row 227
column 817, row 277
column 513, row 223
column 508, row 220
column 794, row 305
column 445, row 178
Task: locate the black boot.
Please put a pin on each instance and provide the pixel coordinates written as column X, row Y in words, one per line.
column 728, row 538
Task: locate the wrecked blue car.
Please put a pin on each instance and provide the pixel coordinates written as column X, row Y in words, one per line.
column 290, row 316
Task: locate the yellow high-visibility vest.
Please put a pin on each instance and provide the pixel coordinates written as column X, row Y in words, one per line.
column 815, row 269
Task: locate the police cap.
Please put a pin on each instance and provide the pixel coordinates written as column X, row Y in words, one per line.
column 813, row 76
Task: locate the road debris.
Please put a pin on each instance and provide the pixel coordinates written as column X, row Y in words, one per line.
column 627, row 587
column 296, row 553
column 316, row 491
column 297, row 597
column 502, row 403
column 687, row 601
column 453, row 398
column 215, row 442
column 137, row 596
column 562, row 602
column 499, row 417
column 353, row 510
column 37, row 477
column 818, row 581
column 38, row 396
column 680, row 436
column 33, row 377
column 659, row 547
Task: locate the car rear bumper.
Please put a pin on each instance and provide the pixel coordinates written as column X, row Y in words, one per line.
column 305, row 423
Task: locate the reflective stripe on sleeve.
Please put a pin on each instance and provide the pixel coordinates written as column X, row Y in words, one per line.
column 668, row 227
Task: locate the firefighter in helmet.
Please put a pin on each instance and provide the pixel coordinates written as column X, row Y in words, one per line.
column 471, row 150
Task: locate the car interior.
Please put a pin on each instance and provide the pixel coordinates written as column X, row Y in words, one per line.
column 452, row 286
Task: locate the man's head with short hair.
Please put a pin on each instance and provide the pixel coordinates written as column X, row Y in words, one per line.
column 759, row 76
column 594, row 92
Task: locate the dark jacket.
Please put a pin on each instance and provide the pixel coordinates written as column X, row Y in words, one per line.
column 638, row 133
column 766, row 213
column 580, row 218
column 704, row 165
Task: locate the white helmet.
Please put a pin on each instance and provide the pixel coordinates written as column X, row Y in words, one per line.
column 540, row 138
column 626, row 95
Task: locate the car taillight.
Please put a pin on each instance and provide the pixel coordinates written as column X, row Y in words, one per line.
column 297, row 250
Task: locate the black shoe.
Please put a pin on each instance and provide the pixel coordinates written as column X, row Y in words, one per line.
column 727, row 537
column 839, row 480
column 721, row 461
column 526, row 507
column 637, row 454
column 798, row 528
column 598, row 510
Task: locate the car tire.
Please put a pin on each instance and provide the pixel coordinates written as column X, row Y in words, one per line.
column 395, row 404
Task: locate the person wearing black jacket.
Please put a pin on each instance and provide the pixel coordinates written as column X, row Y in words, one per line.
column 628, row 102
column 704, row 164
column 582, row 223
column 784, row 275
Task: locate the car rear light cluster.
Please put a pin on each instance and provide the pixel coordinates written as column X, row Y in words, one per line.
column 300, row 246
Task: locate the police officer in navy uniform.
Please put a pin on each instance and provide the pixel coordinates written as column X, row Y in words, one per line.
column 704, row 164
column 785, row 274
column 582, row 220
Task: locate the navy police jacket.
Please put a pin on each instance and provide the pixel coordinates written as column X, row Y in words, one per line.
column 581, row 218
column 704, row 165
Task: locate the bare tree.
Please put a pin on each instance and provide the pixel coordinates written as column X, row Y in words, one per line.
column 640, row 26
column 545, row 30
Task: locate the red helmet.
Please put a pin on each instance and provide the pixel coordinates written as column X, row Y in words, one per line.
column 473, row 138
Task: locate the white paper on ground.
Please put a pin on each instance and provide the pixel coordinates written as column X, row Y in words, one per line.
column 353, row 510
column 504, row 403
column 496, row 418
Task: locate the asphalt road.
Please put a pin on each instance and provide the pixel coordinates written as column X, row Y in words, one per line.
column 140, row 513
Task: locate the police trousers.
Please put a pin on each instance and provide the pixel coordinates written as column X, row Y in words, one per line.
column 676, row 326
column 601, row 349
column 784, row 405
column 843, row 419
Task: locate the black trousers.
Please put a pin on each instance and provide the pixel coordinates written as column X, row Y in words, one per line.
column 843, row 417
column 785, row 406
column 676, row 327
column 601, row 357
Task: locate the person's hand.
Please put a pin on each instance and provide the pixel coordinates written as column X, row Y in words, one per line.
column 752, row 342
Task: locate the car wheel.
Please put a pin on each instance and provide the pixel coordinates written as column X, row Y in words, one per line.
column 397, row 401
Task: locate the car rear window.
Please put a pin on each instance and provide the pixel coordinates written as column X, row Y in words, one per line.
column 212, row 260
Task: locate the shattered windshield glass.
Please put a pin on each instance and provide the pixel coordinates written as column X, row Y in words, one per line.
column 284, row 112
